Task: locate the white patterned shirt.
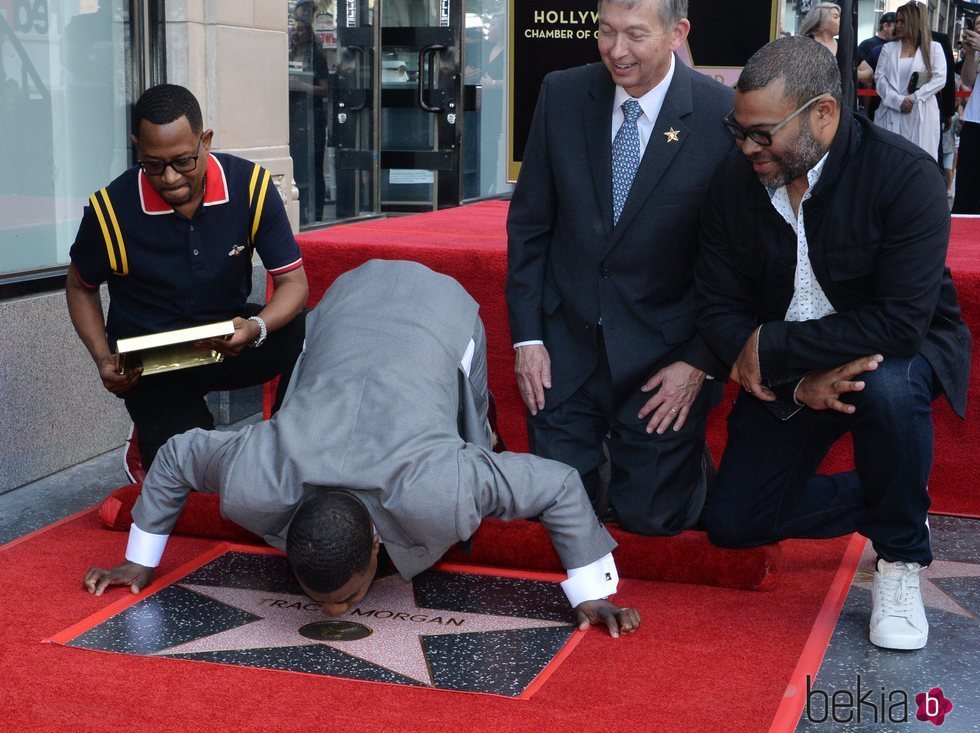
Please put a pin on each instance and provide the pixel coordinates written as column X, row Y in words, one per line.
column 809, row 300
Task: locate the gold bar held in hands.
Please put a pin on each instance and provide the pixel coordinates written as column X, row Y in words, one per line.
column 170, row 350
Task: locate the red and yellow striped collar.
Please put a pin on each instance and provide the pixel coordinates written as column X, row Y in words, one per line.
column 216, row 193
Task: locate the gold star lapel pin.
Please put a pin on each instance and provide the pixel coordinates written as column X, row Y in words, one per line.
column 672, row 135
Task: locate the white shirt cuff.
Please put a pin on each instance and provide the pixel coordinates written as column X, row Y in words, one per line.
column 144, row 548
column 591, row 582
column 536, row 342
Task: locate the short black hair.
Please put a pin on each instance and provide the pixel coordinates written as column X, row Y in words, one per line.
column 165, row 103
column 330, row 539
column 806, row 67
column 887, row 18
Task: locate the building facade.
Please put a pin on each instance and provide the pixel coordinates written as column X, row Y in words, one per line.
column 359, row 108
column 381, row 111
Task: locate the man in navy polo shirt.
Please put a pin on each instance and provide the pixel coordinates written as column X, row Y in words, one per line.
column 173, row 238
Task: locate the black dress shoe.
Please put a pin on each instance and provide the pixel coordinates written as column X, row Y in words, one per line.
column 496, row 441
column 708, row 465
column 710, row 474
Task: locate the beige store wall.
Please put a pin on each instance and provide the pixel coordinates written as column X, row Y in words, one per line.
column 233, row 55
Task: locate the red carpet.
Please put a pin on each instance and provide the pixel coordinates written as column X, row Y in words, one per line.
column 705, row 659
column 470, row 244
column 687, row 558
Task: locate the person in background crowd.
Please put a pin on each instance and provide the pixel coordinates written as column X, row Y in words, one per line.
column 822, row 24
column 966, row 199
column 866, row 49
column 949, row 152
column 867, row 59
column 909, row 74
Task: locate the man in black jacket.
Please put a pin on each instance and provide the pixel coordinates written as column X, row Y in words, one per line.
column 832, row 302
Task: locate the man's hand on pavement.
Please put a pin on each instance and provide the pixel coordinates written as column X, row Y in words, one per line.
column 136, row 576
column 617, row 620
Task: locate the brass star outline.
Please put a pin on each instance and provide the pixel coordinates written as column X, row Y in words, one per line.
column 672, row 135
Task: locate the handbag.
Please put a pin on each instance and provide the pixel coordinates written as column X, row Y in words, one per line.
column 916, row 81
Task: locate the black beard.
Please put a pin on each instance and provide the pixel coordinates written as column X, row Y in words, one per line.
column 799, row 161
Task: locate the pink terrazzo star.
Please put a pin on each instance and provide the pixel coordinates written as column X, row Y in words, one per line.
column 389, row 610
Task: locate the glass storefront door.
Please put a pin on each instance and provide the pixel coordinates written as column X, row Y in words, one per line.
column 393, row 104
column 352, row 121
column 421, row 100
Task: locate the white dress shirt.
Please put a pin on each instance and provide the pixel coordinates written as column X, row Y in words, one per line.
column 650, row 103
column 809, row 300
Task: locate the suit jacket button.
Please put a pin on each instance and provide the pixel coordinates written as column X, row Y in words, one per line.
column 606, row 273
column 588, row 327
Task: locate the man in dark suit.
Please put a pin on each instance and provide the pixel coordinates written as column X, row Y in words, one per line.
column 602, row 239
column 387, row 407
column 832, row 301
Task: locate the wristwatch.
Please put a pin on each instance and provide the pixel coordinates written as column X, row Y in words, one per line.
column 263, row 332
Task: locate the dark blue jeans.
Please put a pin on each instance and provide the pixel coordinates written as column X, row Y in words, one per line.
column 767, row 487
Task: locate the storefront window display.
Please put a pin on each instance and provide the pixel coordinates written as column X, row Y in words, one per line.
column 64, row 97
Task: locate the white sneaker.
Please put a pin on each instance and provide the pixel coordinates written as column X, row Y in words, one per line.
column 898, row 619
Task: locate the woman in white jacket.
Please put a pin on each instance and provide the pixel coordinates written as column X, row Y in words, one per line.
column 909, row 73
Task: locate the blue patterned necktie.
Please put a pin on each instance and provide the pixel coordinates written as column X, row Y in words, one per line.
column 625, row 156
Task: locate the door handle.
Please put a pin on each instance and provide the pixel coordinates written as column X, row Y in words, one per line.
column 358, row 51
column 431, row 51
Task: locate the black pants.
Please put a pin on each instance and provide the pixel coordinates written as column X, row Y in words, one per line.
column 657, row 484
column 170, row 403
column 967, row 199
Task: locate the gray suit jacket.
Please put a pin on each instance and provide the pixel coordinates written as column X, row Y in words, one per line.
column 568, row 265
column 376, row 407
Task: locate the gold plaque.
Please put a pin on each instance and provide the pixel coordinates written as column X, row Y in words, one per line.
column 170, row 350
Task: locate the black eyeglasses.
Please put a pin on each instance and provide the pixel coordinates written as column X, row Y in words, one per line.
column 184, row 164
column 764, row 137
